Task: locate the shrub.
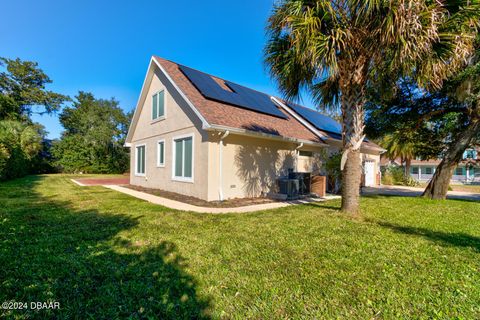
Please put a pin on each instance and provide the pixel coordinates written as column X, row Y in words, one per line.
column 410, row 182
column 393, row 175
column 334, row 174
column 19, row 144
column 387, row 179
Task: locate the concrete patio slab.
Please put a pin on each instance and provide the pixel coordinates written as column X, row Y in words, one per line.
column 101, row 181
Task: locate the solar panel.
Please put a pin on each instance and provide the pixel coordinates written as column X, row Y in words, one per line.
column 317, row 119
column 241, row 96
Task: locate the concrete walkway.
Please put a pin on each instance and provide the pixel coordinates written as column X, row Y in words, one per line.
column 415, row 192
column 177, row 205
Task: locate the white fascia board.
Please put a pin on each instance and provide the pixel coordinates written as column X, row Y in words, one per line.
column 134, row 120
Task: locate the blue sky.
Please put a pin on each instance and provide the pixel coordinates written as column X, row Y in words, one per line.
column 104, row 47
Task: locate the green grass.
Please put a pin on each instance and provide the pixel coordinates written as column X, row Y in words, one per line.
column 105, row 255
column 474, row 188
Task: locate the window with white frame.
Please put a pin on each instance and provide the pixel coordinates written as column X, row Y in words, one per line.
column 140, row 160
column 161, row 153
column 183, row 158
column 158, row 105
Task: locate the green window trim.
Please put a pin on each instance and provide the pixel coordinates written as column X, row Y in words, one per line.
column 140, row 160
column 183, row 158
column 459, row 171
column 158, row 105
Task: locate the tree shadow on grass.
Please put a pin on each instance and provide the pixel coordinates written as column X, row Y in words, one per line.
column 51, row 252
column 443, row 238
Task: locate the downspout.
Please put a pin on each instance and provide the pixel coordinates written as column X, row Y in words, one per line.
column 297, row 152
column 220, row 165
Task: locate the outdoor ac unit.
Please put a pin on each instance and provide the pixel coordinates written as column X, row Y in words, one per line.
column 289, row 187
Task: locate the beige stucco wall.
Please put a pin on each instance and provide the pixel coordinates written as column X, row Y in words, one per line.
column 367, row 154
column 250, row 165
column 179, row 120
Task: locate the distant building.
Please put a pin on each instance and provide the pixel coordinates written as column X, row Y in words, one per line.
column 468, row 170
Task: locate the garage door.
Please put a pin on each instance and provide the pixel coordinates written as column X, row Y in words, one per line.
column 369, row 168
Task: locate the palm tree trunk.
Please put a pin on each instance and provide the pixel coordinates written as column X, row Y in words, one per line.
column 352, row 129
column 408, row 164
column 438, row 186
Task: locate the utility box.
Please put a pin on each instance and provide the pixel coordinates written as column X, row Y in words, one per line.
column 289, row 187
column 318, row 185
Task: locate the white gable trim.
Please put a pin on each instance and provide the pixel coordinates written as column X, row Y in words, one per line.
column 143, row 92
column 296, row 116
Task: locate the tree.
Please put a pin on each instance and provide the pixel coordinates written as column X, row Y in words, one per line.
column 336, row 49
column 462, row 92
column 95, row 131
column 22, row 142
column 400, row 145
column 19, row 144
column 22, row 86
column 409, row 122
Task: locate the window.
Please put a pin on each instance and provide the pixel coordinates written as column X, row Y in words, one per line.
column 140, row 160
column 158, row 105
column 305, row 153
column 459, row 171
column 470, row 154
column 183, row 158
column 414, row 170
column 161, row 153
column 428, row 170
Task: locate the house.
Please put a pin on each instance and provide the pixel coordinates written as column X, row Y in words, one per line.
column 199, row 135
column 467, row 171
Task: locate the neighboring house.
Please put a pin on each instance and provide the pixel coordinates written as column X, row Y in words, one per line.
column 467, row 171
column 202, row 136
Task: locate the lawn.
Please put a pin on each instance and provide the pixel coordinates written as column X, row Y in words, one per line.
column 473, row 188
column 105, row 255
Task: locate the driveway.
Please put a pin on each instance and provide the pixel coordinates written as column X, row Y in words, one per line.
column 415, row 192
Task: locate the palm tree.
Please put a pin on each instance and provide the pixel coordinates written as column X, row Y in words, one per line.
column 399, row 146
column 335, row 49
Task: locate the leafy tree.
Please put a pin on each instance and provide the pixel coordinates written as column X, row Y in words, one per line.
column 336, row 49
column 400, row 145
column 19, row 144
column 409, row 123
column 461, row 93
column 22, row 86
column 22, row 142
column 95, row 131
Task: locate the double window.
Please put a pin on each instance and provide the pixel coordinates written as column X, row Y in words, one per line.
column 158, row 105
column 140, row 160
column 414, row 170
column 428, row 170
column 459, row 171
column 183, row 158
